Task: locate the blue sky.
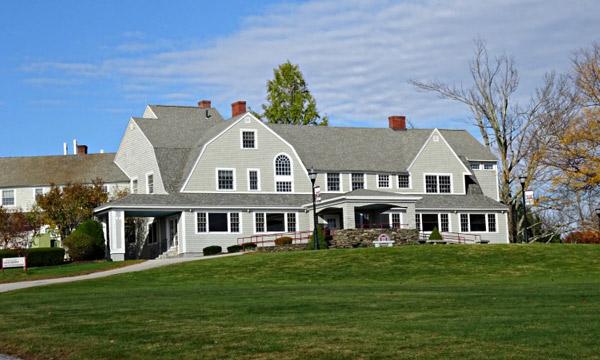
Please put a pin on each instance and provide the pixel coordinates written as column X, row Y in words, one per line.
column 80, row 69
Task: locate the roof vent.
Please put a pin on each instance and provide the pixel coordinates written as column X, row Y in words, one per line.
column 238, row 108
column 397, row 122
column 204, row 104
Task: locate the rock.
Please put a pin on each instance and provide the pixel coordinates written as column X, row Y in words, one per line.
column 352, row 238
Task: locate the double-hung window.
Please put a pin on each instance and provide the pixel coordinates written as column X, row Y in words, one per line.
column 8, row 198
column 383, row 181
column 38, row 192
column 403, row 181
column 396, row 222
column 150, row 183
column 134, row 186
column 358, row 181
column 283, row 174
column 438, row 184
column 274, row 222
column 478, row 222
column 218, row 222
column 248, row 139
column 444, row 223
column 225, row 179
column 333, row 182
column 253, row 181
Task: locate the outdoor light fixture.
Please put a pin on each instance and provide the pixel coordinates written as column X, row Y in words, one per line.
column 523, row 179
column 312, row 174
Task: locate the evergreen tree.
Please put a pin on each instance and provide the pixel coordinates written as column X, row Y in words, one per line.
column 289, row 100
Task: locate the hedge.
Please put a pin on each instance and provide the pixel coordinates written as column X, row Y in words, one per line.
column 284, row 240
column 212, row 250
column 37, row 256
column 249, row 246
column 86, row 242
column 234, row 248
column 583, row 237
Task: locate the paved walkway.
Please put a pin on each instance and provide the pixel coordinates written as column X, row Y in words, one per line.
column 150, row 264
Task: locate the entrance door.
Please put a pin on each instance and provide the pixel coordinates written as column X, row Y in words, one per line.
column 333, row 221
column 172, row 232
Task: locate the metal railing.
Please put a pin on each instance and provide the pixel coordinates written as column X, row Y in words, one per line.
column 268, row 239
column 382, row 226
column 454, row 237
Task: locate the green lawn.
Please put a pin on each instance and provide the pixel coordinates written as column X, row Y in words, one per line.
column 442, row 301
column 48, row 272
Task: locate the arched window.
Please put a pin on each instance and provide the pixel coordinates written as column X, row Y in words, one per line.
column 283, row 174
column 282, row 166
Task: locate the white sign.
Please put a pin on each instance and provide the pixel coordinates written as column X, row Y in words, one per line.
column 529, row 200
column 383, row 240
column 384, row 237
column 14, row 262
column 318, row 193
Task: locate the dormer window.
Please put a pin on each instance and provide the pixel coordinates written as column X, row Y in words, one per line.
column 283, row 174
column 383, row 181
column 248, row 139
column 403, row 181
column 358, row 181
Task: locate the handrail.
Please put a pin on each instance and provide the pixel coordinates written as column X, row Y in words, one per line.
column 460, row 238
column 298, row 237
column 382, row 226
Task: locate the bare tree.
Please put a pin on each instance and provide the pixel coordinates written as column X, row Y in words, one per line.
column 517, row 134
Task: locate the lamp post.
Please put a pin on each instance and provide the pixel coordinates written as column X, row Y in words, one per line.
column 598, row 214
column 523, row 179
column 312, row 174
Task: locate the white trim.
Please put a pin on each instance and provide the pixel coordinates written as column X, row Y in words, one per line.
column 153, row 183
column 438, row 183
column 283, row 178
column 436, row 131
column 217, row 179
column 182, row 238
column 131, row 185
column 389, row 176
column 258, row 182
column 34, row 194
column 410, row 182
column 341, row 182
column 228, row 213
column 497, row 187
column 364, row 180
column 506, row 227
column 14, row 190
column 247, row 115
column 285, row 222
column 109, row 206
column 242, row 139
column 485, row 214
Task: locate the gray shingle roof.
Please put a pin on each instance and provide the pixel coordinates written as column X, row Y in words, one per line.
column 457, row 202
column 60, row 170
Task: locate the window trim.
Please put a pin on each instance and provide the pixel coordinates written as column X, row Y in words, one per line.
column 257, row 179
column 438, row 183
column 339, row 179
column 487, row 226
column 242, row 139
column 389, row 181
column 364, row 180
column 217, row 179
column 207, row 212
column 131, row 185
column 14, row 197
column 439, row 219
column 38, row 187
column 285, row 221
column 410, row 185
column 283, row 178
column 153, row 183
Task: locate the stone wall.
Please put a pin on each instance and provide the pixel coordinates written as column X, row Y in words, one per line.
column 281, row 248
column 352, row 238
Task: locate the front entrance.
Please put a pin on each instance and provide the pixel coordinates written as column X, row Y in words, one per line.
column 172, row 232
column 333, row 221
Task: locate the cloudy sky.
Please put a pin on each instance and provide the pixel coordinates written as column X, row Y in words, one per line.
column 80, row 69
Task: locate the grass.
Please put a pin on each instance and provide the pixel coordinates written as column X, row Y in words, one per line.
column 49, row 272
column 443, row 301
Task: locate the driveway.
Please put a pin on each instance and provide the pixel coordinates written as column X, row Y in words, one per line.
column 150, row 264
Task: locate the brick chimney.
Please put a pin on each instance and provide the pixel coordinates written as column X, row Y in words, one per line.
column 397, row 122
column 82, row 149
column 204, row 104
column 238, row 108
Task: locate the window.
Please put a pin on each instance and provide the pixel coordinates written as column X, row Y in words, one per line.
column 283, row 174
column 225, row 180
column 383, row 181
column 8, row 197
column 291, row 222
column 431, row 184
column 464, row 223
column 438, row 184
column 134, row 186
column 259, row 220
column 429, row 221
column 444, row 223
column 105, row 188
column 477, row 222
column 217, row 222
column 358, row 181
column 284, row 186
column 474, row 166
column 491, row 222
column 333, row 182
column 283, row 166
column 488, row 166
column 275, row 222
column 234, row 222
column 445, row 185
column 418, row 221
column 403, row 181
column 396, row 221
column 152, row 233
column 248, row 139
column 150, row 183
column 38, row 192
column 253, row 180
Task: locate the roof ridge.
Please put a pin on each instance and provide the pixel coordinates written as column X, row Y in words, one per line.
column 56, row 156
column 181, row 106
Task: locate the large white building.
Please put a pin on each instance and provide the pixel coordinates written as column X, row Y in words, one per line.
column 203, row 180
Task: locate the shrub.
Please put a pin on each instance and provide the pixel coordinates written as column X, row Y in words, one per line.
column 284, row 240
column 435, row 234
column 583, row 237
column 212, row 250
column 321, row 237
column 234, row 248
column 38, row 256
column 249, row 246
column 86, row 242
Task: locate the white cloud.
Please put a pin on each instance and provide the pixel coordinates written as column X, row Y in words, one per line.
column 357, row 57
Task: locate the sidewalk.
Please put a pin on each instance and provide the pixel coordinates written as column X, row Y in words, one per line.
column 146, row 265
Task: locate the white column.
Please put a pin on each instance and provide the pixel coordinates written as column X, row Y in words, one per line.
column 349, row 219
column 182, row 232
column 116, row 236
